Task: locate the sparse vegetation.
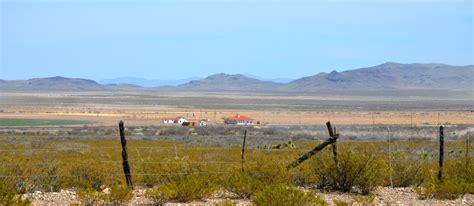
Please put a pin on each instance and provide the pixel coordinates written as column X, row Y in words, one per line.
column 360, row 168
column 187, row 189
column 242, row 184
column 42, row 122
column 9, row 196
column 194, row 169
column 283, row 195
column 117, row 195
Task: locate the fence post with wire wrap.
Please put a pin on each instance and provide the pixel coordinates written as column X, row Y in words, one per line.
column 331, row 140
column 243, row 150
column 334, row 145
column 441, row 153
column 126, row 166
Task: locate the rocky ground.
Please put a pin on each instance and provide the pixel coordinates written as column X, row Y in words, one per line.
column 381, row 196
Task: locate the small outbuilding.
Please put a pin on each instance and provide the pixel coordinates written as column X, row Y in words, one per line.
column 173, row 120
column 196, row 122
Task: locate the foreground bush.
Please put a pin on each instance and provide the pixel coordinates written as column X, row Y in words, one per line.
column 242, row 184
column 448, row 188
column 12, row 199
column 185, row 190
column 9, row 196
column 358, row 168
column 269, row 169
column 405, row 170
column 443, row 190
column 457, row 180
column 286, row 196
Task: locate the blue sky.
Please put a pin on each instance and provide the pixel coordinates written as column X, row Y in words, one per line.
column 180, row 39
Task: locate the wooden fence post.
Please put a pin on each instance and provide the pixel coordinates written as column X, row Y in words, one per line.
column 468, row 137
column 318, row 148
column 243, row 150
column 126, row 166
column 389, row 158
column 334, row 150
column 441, row 153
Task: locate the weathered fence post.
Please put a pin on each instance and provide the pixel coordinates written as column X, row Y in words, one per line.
column 389, row 158
column 126, row 166
column 441, row 152
column 243, row 150
column 318, row 148
column 334, row 149
column 468, row 137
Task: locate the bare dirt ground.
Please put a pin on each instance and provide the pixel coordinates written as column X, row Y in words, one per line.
column 382, row 196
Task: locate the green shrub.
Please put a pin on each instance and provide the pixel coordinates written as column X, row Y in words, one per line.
column 51, row 182
column 242, row 184
column 359, row 168
column 11, row 197
column 456, row 169
column 88, row 175
column 283, row 195
column 119, row 194
column 269, row 170
column 406, row 171
column 185, row 190
column 446, row 189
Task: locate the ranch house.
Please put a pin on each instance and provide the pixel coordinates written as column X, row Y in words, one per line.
column 239, row 120
column 174, row 120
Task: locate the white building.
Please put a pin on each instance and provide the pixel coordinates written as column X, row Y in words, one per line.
column 174, row 120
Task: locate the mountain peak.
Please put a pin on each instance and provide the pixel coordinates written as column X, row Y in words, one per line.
column 227, row 82
column 391, row 76
column 390, row 64
column 57, row 78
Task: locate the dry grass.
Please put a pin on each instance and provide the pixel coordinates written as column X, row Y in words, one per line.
column 265, row 117
column 146, row 108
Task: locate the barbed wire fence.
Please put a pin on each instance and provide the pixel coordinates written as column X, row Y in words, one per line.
column 125, row 162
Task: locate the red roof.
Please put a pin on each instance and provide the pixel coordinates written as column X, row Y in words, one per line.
column 239, row 117
column 172, row 118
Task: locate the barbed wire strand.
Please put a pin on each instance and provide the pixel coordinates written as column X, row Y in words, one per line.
column 117, row 174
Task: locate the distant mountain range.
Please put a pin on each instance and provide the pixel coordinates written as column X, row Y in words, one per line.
column 147, row 82
column 162, row 82
column 61, row 84
column 388, row 76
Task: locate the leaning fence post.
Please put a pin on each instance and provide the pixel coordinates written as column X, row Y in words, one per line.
column 243, row 150
column 441, row 152
column 126, row 166
column 318, row 148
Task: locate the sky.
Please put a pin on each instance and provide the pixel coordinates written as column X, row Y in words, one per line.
column 173, row 39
